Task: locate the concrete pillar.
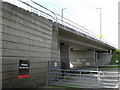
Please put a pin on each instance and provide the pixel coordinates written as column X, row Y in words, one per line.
column 55, row 48
column 64, row 55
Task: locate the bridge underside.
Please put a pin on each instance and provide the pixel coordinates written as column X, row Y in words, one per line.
column 82, row 50
column 78, row 40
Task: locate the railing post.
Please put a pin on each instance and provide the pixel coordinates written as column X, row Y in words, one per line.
column 98, row 79
column 80, row 74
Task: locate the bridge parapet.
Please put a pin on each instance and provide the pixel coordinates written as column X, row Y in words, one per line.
column 45, row 12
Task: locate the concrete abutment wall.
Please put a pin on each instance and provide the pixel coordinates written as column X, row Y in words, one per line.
column 82, row 58
column 0, row 45
column 25, row 36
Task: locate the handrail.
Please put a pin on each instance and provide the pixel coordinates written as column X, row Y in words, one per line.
column 36, row 8
column 67, row 22
column 45, row 8
column 75, row 25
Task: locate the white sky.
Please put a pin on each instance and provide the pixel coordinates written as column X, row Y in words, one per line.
column 84, row 13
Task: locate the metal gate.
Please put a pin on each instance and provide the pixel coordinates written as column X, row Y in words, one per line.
column 83, row 78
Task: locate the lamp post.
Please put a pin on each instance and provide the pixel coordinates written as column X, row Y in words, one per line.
column 100, row 23
column 62, row 14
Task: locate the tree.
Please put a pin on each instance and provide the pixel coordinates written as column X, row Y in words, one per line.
column 116, row 58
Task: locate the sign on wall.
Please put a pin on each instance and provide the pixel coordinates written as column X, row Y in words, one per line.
column 55, row 64
column 23, row 69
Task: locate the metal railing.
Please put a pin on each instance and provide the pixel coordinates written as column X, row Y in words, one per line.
column 51, row 65
column 84, row 78
column 47, row 13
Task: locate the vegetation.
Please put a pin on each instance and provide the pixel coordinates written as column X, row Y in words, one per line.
column 116, row 58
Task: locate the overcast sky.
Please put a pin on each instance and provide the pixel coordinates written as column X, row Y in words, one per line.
column 84, row 12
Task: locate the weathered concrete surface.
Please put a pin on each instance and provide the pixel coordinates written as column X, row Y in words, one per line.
column 0, row 45
column 119, row 25
column 55, row 46
column 65, row 55
column 82, row 58
column 105, row 58
column 25, row 36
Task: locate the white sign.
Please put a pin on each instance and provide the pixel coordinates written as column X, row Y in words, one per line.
column 55, row 64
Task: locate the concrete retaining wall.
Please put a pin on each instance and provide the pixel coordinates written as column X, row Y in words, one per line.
column 25, row 36
column 0, row 45
column 119, row 25
column 82, row 58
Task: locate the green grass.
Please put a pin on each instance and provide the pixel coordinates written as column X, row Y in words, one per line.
column 67, row 84
column 63, row 87
column 110, row 67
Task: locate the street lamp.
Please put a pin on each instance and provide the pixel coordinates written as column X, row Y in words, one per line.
column 62, row 14
column 100, row 23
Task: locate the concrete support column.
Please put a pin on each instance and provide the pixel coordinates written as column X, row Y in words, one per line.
column 64, row 55
column 55, row 48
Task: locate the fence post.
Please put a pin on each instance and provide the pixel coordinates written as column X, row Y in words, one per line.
column 48, row 74
column 118, row 78
column 99, row 84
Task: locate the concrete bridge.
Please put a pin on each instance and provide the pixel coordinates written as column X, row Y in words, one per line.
column 35, row 40
column 81, row 46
